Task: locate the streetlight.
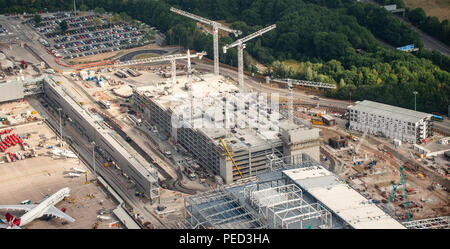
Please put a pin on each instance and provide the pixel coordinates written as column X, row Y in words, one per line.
column 415, row 94
column 60, row 127
column 93, row 158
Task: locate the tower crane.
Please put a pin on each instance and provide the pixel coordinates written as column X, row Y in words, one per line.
column 171, row 58
column 216, row 26
column 240, row 47
column 290, row 101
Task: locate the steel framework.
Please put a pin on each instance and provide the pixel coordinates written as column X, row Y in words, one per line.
column 285, row 208
column 218, row 209
column 306, row 83
column 442, row 222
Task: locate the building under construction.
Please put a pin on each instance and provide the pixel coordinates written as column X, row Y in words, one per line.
column 262, row 132
column 106, row 144
column 300, row 194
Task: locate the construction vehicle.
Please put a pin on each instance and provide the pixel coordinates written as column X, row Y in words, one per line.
column 402, row 183
column 133, row 73
column 317, row 121
column 23, row 64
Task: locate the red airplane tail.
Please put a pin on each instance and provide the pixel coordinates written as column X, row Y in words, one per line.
column 12, row 220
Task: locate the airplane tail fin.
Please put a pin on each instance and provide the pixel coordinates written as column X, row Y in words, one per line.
column 12, row 221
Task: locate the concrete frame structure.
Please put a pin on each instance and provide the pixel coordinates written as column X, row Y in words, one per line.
column 248, row 146
column 390, row 121
column 146, row 178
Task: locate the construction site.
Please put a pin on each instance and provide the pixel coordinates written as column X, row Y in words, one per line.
column 173, row 141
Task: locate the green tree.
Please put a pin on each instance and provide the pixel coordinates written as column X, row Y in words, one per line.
column 84, row 7
column 63, row 26
column 37, row 18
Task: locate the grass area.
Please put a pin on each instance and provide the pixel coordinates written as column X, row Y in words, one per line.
column 438, row 8
column 145, row 56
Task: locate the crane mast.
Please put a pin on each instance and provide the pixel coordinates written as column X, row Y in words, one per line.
column 240, row 44
column 215, row 26
column 290, row 101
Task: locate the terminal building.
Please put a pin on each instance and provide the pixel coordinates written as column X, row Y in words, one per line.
column 299, row 195
column 91, row 126
column 249, row 145
column 390, row 121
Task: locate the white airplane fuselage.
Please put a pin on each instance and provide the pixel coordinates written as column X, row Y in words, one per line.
column 40, row 209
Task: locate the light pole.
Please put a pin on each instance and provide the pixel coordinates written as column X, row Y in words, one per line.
column 415, row 94
column 60, row 127
column 93, row 158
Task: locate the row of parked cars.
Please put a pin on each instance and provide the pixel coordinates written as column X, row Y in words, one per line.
column 50, row 23
column 88, row 40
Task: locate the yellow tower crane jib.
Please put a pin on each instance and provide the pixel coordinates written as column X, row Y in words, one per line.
column 231, row 157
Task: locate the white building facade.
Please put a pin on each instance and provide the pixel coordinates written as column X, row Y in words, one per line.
column 390, row 121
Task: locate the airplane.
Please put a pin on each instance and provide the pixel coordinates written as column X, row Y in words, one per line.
column 35, row 211
column 74, row 174
column 79, row 170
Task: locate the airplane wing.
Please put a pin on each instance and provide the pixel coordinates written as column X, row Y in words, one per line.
column 18, row 207
column 52, row 211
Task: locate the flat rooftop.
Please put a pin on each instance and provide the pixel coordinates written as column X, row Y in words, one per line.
column 389, row 111
column 211, row 90
column 344, row 201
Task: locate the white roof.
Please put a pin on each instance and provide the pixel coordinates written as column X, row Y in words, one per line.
column 391, row 111
column 344, row 201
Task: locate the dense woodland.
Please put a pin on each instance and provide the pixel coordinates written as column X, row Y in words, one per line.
column 330, row 40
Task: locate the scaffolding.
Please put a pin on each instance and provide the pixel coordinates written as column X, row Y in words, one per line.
column 284, row 207
column 442, row 222
column 275, row 163
column 218, row 209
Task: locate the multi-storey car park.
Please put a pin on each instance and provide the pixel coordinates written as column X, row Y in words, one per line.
column 390, row 121
column 90, row 126
column 247, row 144
column 300, row 195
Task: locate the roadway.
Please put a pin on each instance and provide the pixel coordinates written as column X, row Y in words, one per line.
column 429, row 42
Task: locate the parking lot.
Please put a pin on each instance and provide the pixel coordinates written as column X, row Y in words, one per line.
column 84, row 37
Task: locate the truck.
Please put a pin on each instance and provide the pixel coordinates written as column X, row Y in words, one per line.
column 23, row 64
column 133, row 73
column 120, row 74
column 104, row 104
column 168, row 153
column 135, row 120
